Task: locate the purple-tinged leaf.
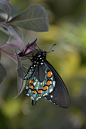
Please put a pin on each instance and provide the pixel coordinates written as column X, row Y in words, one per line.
column 28, row 49
column 9, row 55
column 3, row 72
column 6, row 6
column 18, row 44
column 33, row 18
column 20, row 75
column 13, row 45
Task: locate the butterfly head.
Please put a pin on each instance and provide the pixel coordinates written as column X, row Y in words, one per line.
column 39, row 58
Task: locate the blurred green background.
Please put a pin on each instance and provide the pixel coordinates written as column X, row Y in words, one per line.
column 67, row 20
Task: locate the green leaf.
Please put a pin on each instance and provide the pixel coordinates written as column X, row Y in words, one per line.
column 3, row 33
column 12, row 31
column 4, row 26
column 3, row 38
column 3, row 16
column 18, row 31
column 15, row 33
column 6, row 6
column 3, row 72
column 20, row 81
column 33, row 18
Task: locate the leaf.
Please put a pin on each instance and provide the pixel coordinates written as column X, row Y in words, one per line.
column 15, row 33
column 6, row 6
column 4, row 26
column 20, row 81
column 1, row 18
column 19, row 64
column 3, row 72
column 3, row 36
column 16, row 43
column 33, row 18
column 20, row 75
column 18, row 31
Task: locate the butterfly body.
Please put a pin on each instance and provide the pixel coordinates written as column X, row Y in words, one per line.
column 44, row 81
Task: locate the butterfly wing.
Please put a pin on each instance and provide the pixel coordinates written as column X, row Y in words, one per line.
column 40, row 84
column 59, row 95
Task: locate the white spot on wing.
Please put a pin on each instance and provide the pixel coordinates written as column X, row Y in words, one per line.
column 26, row 87
column 51, row 96
column 53, row 83
column 39, row 55
column 41, row 63
column 45, row 94
column 38, row 98
column 50, row 90
column 32, row 98
column 27, row 94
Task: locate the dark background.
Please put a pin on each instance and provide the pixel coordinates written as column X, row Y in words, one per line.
column 67, row 21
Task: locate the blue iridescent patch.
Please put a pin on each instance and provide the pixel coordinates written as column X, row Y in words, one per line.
column 36, row 89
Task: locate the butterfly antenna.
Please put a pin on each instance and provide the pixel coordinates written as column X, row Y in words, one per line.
column 38, row 48
column 51, row 49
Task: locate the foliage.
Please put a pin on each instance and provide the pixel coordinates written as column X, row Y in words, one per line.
column 33, row 18
column 68, row 31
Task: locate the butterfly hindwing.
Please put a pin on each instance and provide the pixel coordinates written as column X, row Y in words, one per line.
column 41, row 84
column 59, row 95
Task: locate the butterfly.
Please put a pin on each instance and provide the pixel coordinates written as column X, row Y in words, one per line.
column 44, row 81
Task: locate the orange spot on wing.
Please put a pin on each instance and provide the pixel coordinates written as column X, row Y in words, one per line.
column 49, row 74
column 31, row 81
column 45, row 88
column 31, row 87
column 39, row 91
column 48, row 83
column 34, row 91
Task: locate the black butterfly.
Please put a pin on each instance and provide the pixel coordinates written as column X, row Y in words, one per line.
column 44, row 81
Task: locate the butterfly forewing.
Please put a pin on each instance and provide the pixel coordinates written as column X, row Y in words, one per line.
column 59, row 95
